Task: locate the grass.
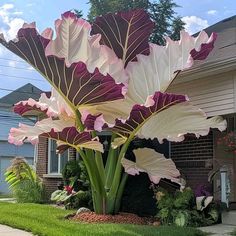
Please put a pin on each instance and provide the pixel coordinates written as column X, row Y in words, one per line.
column 44, row 220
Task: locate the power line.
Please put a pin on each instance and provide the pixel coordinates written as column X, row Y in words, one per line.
column 20, row 77
column 11, row 90
column 14, row 117
column 16, row 121
column 14, row 67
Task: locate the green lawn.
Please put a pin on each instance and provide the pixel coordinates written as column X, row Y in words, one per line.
column 49, row 221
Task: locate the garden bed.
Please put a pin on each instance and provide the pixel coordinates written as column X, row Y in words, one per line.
column 122, row 218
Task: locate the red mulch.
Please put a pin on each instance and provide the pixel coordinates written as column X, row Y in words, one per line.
column 121, row 218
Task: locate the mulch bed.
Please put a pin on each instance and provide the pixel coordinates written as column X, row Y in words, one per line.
column 121, row 218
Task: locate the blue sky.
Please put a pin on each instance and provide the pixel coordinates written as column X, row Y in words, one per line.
column 197, row 14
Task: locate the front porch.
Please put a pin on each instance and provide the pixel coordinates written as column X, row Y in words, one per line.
column 204, row 161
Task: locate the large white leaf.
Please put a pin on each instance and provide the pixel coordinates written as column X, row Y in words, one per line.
column 156, row 71
column 153, row 163
column 53, row 106
column 110, row 111
column 203, row 201
column 31, row 133
column 74, row 43
column 176, row 121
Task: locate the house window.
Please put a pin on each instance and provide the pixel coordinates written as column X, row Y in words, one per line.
column 56, row 162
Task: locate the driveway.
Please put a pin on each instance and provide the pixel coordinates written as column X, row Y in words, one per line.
column 219, row 229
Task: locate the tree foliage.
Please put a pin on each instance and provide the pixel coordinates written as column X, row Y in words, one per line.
column 79, row 13
column 162, row 12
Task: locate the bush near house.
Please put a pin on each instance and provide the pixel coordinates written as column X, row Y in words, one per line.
column 181, row 208
column 76, row 191
column 26, row 186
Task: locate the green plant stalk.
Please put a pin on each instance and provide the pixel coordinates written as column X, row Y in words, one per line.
column 79, row 124
column 100, row 166
column 109, row 158
column 98, row 192
column 112, row 195
column 95, row 170
column 110, row 164
column 90, row 157
column 99, row 162
column 120, row 192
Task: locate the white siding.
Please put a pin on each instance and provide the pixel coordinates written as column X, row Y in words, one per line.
column 215, row 95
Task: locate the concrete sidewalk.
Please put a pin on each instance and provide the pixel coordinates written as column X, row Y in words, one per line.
column 11, row 200
column 219, row 230
column 8, row 231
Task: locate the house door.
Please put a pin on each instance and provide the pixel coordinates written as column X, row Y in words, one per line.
column 5, row 162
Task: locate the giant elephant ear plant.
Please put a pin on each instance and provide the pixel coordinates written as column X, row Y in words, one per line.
column 107, row 76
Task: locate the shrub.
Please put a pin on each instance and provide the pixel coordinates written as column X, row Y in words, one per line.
column 29, row 192
column 26, row 186
column 180, row 208
column 76, row 192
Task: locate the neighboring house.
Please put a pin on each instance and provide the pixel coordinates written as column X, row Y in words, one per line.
column 211, row 85
column 9, row 119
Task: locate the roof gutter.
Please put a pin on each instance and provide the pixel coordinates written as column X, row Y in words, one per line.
column 207, row 69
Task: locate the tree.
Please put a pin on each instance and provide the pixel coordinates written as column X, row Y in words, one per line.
column 163, row 14
column 167, row 23
column 177, row 26
column 79, row 13
column 102, row 7
column 99, row 85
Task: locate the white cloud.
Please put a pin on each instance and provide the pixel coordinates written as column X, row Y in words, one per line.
column 18, row 13
column 9, row 23
column 7, row 6
column 14, row 25
column 193, row 24
column 212, row 12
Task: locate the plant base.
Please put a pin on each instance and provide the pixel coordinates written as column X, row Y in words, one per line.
column 121, row 218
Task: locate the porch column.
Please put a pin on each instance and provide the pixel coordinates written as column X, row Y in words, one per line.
column 224, row 183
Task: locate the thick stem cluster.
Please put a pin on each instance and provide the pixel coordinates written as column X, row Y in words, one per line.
column 107, row 182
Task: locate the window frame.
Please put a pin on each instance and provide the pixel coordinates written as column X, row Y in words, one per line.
column 59, row 159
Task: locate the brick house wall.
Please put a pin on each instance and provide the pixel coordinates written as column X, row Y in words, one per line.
column 51, row 183
column 194, row 157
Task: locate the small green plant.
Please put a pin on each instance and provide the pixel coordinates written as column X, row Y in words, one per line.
column 74, row 173
column 181, row 218
column 173, row 208
column 76, row 192
column 180, row 209
column 26, row 186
